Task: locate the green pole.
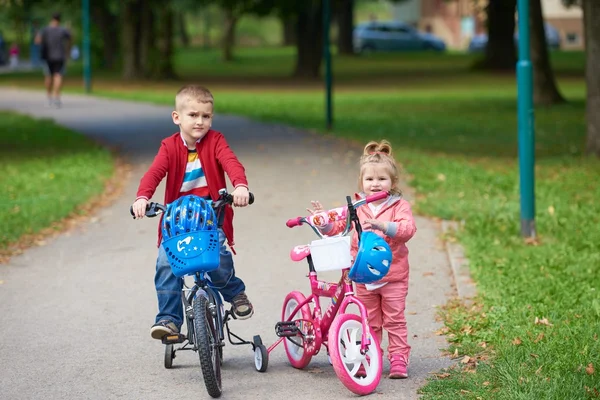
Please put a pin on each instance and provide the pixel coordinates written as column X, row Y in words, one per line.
column 87, row 69
column 526, row 124
column 327, row 56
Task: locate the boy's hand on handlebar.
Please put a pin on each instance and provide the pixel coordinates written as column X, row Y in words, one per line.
column 241, row 196
column 374, row 224
column 139, row 208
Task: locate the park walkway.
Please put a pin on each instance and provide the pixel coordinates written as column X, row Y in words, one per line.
column 77, row 311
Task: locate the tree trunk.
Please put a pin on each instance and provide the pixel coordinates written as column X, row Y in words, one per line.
column 148, row 51
column 229, row 34
column 108, row 24
column 345, row 22
column 309, row 47
column 591, row 16
column 130, row 39
column 182, row 30
column 500, row 50
column 545, row 91
column 165, row 48
column 289, row 30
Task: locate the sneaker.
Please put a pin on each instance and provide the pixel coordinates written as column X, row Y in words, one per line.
column 242, row 308
column 163, row 328
column 399, row 368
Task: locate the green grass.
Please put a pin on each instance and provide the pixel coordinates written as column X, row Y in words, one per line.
column 454, row 132
column 44, row 174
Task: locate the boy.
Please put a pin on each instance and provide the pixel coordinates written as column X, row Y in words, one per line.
column 195, row 161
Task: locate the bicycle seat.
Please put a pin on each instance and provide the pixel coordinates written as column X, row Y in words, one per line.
column 299, row 253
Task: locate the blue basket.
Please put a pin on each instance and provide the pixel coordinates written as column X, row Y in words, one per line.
column 193, row 252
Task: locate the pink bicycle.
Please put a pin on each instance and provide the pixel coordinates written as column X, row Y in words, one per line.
column 353, row 349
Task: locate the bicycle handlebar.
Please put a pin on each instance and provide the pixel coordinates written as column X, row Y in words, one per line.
column 335, row 214
column 153, row 209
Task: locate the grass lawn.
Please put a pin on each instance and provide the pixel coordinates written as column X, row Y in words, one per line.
column 533, row 331
column 45, row 174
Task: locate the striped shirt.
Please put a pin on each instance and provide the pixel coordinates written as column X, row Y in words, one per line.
column 194, row 181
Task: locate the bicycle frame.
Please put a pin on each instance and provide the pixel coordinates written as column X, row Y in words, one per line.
column 343, row 290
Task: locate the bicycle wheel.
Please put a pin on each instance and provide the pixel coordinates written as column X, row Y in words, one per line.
column 300, row 348
column 207, row 342
column 344, row 349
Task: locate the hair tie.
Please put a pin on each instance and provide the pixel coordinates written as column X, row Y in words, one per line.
column 377, row 152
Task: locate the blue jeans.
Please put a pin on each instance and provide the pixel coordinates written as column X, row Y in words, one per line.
column 168, row 286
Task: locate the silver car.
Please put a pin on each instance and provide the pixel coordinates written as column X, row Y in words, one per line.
column 393, row 36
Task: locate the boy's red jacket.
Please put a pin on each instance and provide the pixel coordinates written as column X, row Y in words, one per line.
column 216, row 158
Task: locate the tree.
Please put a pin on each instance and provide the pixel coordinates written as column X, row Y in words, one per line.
column 500, row 51
column 591, row 16
column 545, row 91
column 344, row 16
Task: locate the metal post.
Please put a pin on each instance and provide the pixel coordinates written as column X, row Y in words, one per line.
column 526, row 125
column 327, row 56
column 87, row 69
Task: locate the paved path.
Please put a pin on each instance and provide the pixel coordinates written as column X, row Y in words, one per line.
column 76, row 313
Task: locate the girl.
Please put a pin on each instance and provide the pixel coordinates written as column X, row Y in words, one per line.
column 392, row 219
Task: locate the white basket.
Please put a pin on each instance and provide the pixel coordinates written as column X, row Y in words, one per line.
column 331, row 254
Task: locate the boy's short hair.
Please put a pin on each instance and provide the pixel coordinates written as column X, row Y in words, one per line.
column 196, row 92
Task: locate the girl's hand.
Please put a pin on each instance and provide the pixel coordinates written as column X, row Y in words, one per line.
column 241, row 196
column 374, row 224
column 317, row 207
column 322, row 220
column 139, row 208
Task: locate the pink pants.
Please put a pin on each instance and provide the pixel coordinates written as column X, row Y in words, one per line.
column 385, row 306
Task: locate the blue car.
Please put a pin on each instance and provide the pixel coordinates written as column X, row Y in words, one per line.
column 479, row 42
column 393, row 36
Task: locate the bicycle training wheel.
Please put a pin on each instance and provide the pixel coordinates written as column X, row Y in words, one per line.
column 345, row 336
column 299, row 348
column 207, row 342
column 169, row 355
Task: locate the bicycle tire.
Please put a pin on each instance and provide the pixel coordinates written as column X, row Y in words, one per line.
column 298, row 356
column 344, row 349
column 207, row 343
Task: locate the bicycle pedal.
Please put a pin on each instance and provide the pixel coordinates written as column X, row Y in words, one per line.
column 287, row 329
column 174, row 339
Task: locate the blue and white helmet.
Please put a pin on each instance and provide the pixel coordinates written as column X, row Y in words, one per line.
column 372, row 260
column 188, row 214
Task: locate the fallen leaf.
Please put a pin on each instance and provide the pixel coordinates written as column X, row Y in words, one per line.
column 441, row 177
column 483, row 344
column 486, row 383
column 412, row 313
column 534, row 355
column 455, row 352
column 442, row 331
column 551, row 210
column 428, row 273
column 517, row 341
column 537, row 372
column 442, row 376
column 539, row 337
column 543, row 321
column 589, row 369
column 466, row 359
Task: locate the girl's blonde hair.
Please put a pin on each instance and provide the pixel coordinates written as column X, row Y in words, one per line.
column 380, row 153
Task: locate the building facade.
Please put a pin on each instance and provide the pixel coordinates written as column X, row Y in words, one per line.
column 457, row 21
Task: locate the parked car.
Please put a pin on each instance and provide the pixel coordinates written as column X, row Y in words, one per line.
column 479, row 42
column 393, row 36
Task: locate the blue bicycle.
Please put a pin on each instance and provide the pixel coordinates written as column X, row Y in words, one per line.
column 191, row 242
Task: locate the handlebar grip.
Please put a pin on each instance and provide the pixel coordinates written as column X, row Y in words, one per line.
column 377, row 196
column 293, row 222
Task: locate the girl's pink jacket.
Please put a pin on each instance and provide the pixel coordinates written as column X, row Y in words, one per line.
column 396, row 210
